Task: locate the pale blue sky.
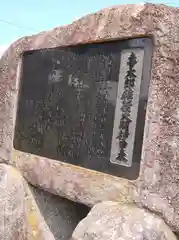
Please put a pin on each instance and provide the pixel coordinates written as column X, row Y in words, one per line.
column 42, row 15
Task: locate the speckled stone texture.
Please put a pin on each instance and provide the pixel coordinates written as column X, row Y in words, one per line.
column 157, row 188
column 115, row 221
column 20, row 218
column 27, row 213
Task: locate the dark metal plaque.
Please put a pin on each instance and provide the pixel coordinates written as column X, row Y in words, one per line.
column 86, row 104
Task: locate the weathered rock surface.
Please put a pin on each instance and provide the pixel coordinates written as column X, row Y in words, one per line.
column 12, row 207
column 20, row 218
column 157, row 187
column 115, row 221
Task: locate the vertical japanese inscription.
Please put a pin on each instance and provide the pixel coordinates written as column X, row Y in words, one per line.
column 130, row 76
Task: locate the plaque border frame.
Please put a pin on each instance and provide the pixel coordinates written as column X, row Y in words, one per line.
column 132, row 172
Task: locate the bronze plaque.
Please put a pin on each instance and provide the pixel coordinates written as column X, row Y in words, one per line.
column 86, row 104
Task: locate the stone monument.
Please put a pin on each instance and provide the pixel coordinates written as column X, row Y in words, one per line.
column 89, row 112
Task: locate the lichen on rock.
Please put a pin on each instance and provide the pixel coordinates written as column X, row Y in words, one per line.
column 20, row 218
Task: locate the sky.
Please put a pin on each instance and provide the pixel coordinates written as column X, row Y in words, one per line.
column 20, row 18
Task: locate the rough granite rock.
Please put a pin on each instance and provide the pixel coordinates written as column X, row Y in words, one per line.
column 157, row 187
column 115, row 221
column 20, row 218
